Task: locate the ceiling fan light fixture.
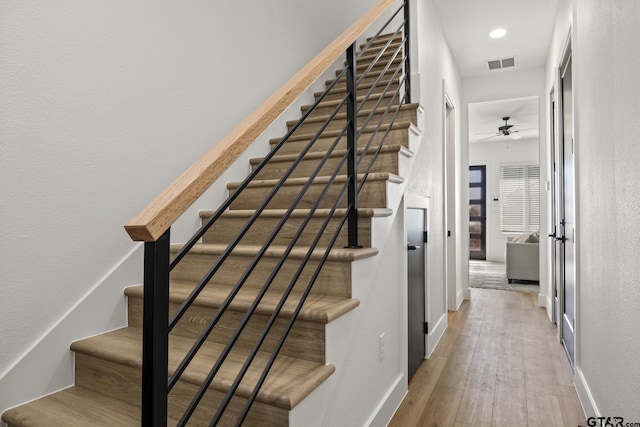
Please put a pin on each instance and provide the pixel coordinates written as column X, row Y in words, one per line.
column 498, row 33
column 515, row 136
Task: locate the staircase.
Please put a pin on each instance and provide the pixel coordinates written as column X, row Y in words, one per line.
column 108, row 380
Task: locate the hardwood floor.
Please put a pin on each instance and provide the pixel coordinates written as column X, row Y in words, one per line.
column 498, row 364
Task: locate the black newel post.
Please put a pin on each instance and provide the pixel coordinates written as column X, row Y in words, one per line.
column 407, row 53
column 352, row 149
column 155, row 334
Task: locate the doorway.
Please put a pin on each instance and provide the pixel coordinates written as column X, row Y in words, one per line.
column 478, row 212
column 554, row 209
column 450, row 201
column 416, row 281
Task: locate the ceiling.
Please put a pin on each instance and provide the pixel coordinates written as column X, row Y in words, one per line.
column 466, row 25
column 486, row 117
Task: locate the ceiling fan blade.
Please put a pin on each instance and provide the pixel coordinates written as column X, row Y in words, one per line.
column 489, row 137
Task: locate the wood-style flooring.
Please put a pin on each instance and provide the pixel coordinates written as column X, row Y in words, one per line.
column 498, row 364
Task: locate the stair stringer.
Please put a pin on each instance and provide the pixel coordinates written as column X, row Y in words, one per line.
column 50, row 354
column 357, row 393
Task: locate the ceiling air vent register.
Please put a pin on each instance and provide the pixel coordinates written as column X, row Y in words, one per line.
column 502, row 63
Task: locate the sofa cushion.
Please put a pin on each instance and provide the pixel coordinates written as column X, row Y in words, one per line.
column 533, row 238
column 527, row 238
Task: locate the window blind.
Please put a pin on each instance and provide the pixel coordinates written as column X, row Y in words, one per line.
column 519, row 198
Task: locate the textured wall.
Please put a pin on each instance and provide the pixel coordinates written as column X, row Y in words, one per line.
column 607, row 107
column 103, row 105
column 435, row 64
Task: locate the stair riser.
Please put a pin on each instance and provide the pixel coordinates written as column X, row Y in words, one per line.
column 366, row 59
column 368, row 105
column 373, row 195
column 372, row 77
column 339, row 123
column 334, row 278
column 227, row 228
column 305, row 341
column 380, row 42
column 395, row 136
column 385, row 162
column 123, row 383
column 379, row 66
column 338, row 93
column 374, row 49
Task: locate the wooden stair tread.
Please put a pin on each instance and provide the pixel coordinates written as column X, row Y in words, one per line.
column 74, row 406
column 380, row 176
column 289, row 381
column 370, row 75
column 298, row 213
column 335, row 133
column 317, row 308
column 359, row 99
column 377, row 67
column 362, row 86
column 335, row 254
column 311, row 155
column 364, row 113
column 383, row 38
column 390, row 50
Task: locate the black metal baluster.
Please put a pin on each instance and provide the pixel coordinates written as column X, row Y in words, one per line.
column 156, row 323
column 155, row 335
column 352, row 149
column 407, row 62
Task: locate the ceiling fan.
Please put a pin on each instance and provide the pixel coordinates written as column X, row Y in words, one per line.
column 506, row 130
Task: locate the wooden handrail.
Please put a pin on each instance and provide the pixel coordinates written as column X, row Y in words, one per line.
column 150, row 223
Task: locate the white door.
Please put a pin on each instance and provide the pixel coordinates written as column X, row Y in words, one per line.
column 566, row 229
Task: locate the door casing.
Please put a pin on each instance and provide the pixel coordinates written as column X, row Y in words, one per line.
column 566, row 209
column 449, row 190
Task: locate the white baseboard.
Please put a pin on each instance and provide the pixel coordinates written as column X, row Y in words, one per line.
column 466, row 293
column 542, row 300
column 436, row 333
column 389, row 404
column 459, row 298
column 549, row 307
column 584, row 394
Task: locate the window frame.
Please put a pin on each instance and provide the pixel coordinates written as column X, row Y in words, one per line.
column 529, row 213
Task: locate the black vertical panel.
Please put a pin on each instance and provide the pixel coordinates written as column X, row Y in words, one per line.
column 416, row 287
column 479, row 217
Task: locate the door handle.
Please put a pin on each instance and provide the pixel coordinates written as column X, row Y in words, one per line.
column 561, row 239
column 411, row 247
column 553, row 235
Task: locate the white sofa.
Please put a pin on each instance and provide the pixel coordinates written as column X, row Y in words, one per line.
column 523, row 258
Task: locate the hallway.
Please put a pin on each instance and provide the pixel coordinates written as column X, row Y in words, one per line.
column 498, row 364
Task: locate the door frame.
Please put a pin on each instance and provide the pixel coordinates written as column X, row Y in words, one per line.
column 553, row 206
column 450, row 199
column 483, row 212
column 566, row 54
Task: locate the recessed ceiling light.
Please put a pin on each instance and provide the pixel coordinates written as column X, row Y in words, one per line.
column 497, row 33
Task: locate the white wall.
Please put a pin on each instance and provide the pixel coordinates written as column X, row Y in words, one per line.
column 492, row 154
column 103, row 105
column 606, row 70
column 435, row 64
column 516, row 84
